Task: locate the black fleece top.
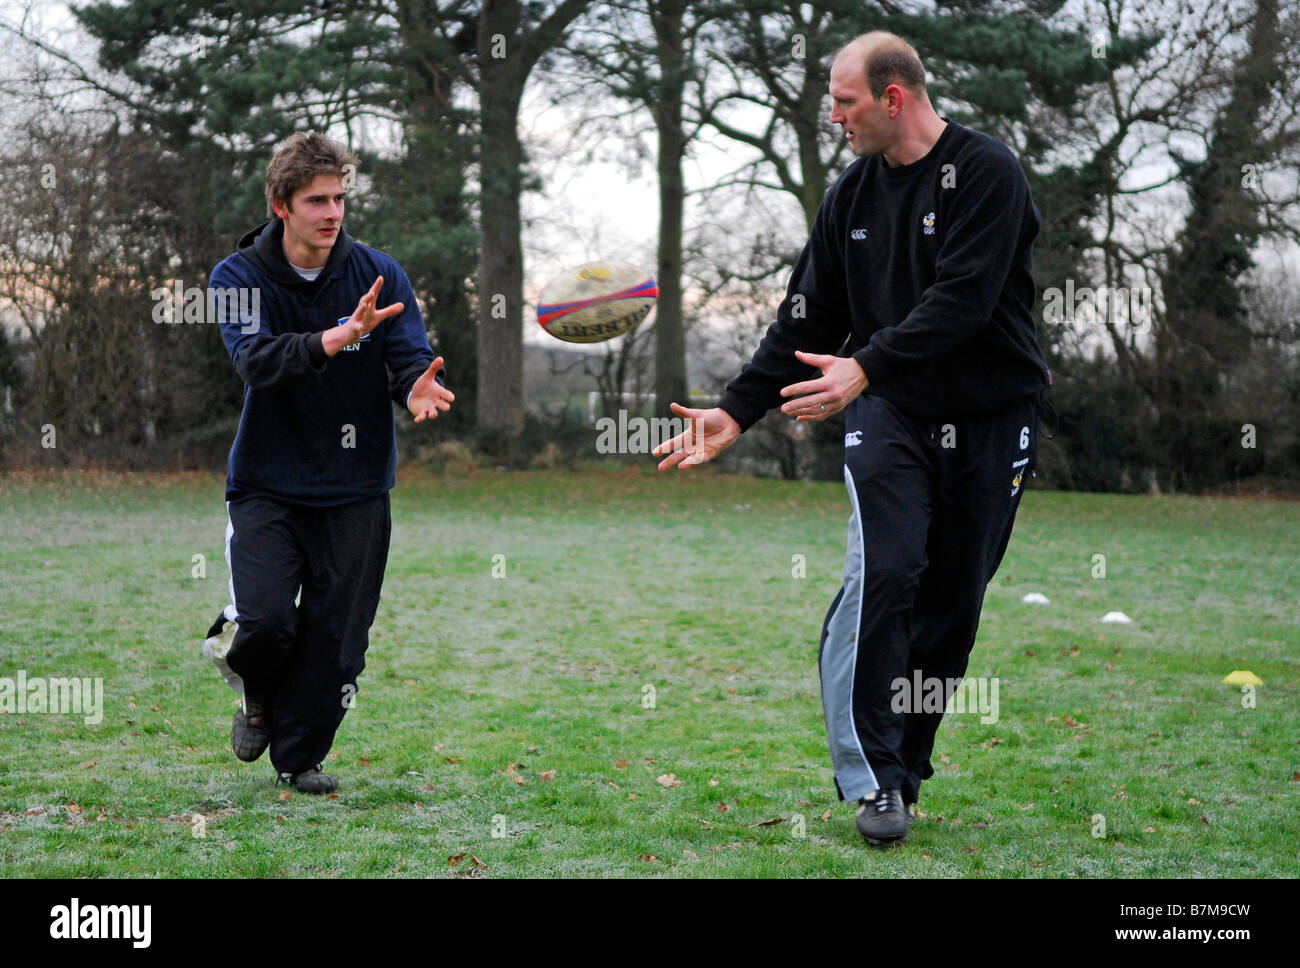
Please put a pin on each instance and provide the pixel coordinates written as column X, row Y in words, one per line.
column 925, row 270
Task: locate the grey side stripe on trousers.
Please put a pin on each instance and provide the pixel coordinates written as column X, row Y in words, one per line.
column 839, row 665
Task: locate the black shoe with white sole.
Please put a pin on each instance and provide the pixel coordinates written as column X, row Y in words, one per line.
column 882, row 818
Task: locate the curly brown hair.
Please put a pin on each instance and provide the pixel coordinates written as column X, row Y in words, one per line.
column 299, row 159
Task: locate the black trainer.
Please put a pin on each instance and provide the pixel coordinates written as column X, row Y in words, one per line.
column 882, row 818
column 250, row 733
column 311, row 781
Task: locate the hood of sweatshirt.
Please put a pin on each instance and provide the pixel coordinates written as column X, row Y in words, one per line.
column 264, row 248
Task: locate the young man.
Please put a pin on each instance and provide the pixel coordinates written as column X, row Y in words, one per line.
column 299, row 306
column 920, row 258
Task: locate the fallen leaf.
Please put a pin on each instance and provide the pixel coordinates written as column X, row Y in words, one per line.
column 74, row 809
column 547, row 776
column 667, row 780
column 477, row 863
column 363, row 761
column 1193, row 800
column 88, row 765
column 620, row 764
column 943, row 758
column 649, row 858
column 723, row 808
column 713, row 783
column 691, row 854
column 769, row 823
column 980, row 825
column 455, row 859
column 284, row 795
column 428, row 786
column 1205, row 820
column 826, row 815
column 453, row 759
column 335, row 796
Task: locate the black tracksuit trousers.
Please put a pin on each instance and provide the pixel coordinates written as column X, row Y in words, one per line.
column 303, row 660
column 933, row 507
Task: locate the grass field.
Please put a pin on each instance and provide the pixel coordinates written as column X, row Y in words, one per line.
column 647, row 626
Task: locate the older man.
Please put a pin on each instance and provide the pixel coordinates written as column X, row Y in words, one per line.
column 918, row 270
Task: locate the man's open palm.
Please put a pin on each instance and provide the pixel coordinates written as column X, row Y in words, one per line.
column 428, row 396
column 708, row 433
column 366, row 317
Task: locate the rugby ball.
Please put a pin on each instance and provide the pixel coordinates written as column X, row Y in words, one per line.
column 596, row 301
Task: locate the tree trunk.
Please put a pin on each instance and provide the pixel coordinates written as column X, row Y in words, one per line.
column 670, row 326
column 501, row 262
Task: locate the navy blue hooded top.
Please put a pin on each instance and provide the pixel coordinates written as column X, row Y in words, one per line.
column 316, row 429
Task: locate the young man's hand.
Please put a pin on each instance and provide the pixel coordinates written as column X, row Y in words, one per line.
column 365, row 318
column 428, row 396
column 708, row 433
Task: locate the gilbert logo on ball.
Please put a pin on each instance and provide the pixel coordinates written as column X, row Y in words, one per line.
column 596, row 301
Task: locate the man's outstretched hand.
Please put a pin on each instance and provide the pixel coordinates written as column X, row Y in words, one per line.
column 428, row 396
column 364, row 318
column 708, row 433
